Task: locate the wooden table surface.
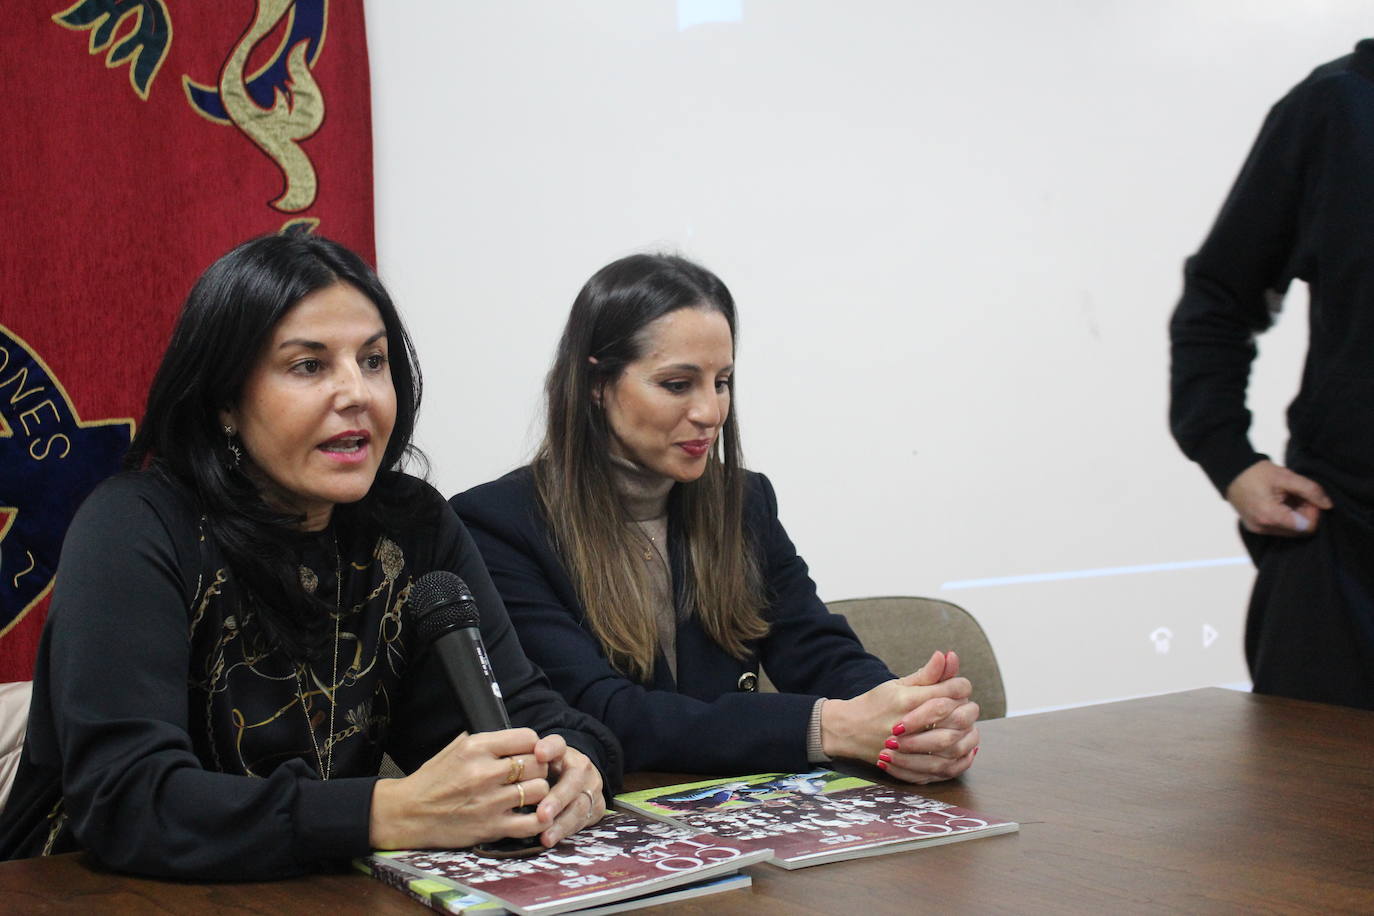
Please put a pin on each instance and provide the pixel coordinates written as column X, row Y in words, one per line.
column 1197, row 802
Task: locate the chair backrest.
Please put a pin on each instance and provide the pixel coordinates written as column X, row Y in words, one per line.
column 903, row 632
column 14, row 722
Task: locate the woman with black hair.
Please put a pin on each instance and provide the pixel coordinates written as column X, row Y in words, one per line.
column 228, row 655
column 647, row 572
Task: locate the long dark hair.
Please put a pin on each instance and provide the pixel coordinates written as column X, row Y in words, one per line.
column 226, row 320
column 572, row 472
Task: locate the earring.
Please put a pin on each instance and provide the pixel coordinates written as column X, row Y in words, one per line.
column 235, row 453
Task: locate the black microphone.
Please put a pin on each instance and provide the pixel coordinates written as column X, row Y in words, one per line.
column 445, row 614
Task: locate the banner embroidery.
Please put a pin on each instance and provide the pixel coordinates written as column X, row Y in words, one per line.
column 279, row 105
column 51, row 460
column 145, row 46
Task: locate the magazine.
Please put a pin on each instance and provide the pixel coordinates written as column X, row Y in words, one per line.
column 811, row 818
column 621, row 857
column 444, row 896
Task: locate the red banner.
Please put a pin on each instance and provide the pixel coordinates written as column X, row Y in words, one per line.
column 143, row 139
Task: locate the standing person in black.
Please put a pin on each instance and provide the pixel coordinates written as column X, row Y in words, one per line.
column 229, row 651
column 1302, row 208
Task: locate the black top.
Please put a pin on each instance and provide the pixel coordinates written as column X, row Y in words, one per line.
column 708, row 720
column 1303, row 207
column 183, row 746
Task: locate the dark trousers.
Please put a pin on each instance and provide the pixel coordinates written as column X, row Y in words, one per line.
column 1310, row 631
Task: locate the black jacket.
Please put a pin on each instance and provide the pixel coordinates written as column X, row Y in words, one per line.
column 704, row 722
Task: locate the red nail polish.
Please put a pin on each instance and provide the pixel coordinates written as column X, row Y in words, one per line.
column 898, row 729
column 975, row 752
column 885, row 757
column 891, row 742
column 882, row 764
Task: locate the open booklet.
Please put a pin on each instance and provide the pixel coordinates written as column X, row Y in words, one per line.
column 623, row 862
column 811, row 818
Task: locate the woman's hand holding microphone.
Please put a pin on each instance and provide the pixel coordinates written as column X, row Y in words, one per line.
column 472, row 791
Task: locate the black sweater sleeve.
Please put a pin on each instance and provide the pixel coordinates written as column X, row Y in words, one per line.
column 1233, row 287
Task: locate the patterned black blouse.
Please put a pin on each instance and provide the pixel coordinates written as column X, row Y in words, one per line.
column 167, row 738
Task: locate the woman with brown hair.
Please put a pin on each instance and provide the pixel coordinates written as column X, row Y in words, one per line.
column 647, row 573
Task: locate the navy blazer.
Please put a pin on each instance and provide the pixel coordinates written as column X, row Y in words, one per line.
column 710, row 719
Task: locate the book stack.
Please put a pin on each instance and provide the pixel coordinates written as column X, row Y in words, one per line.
column 684, row 841
column 622, row 862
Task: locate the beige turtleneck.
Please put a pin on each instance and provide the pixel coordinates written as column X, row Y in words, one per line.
column 644, row 495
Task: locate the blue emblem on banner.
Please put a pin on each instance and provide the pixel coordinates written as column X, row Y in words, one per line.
column 49, row 462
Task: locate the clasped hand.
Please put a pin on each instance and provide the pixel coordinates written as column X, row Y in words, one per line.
column 470, row 793
column 920, row 728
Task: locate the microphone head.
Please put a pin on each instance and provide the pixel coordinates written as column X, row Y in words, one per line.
column 440, row 602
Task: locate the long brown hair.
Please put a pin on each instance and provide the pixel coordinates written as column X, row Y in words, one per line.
column 573, row 476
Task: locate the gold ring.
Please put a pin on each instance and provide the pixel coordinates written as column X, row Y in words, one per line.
column 930, row 726
column 520, row 787
column 517, row 771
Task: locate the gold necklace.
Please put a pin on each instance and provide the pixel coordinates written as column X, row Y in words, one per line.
column 651, row 549
column 326, row 762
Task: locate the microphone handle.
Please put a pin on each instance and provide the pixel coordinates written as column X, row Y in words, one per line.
column 469, row 671
column 465, row 661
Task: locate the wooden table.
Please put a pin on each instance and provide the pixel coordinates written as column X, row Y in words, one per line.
column 1205, row 801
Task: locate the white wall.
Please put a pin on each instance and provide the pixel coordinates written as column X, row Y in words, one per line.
column 954, row 232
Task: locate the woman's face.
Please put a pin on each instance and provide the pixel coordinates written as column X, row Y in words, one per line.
column 318, row 406
column 667, row 407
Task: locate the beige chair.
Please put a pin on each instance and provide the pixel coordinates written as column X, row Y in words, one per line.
column 14, row 720
column 903, row 632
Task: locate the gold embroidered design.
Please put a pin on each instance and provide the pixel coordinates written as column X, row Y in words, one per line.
column 26, row 570
column 215, row 588
column 278, row 130
column 242, row 719
column 393, row 561
column 57, row 819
